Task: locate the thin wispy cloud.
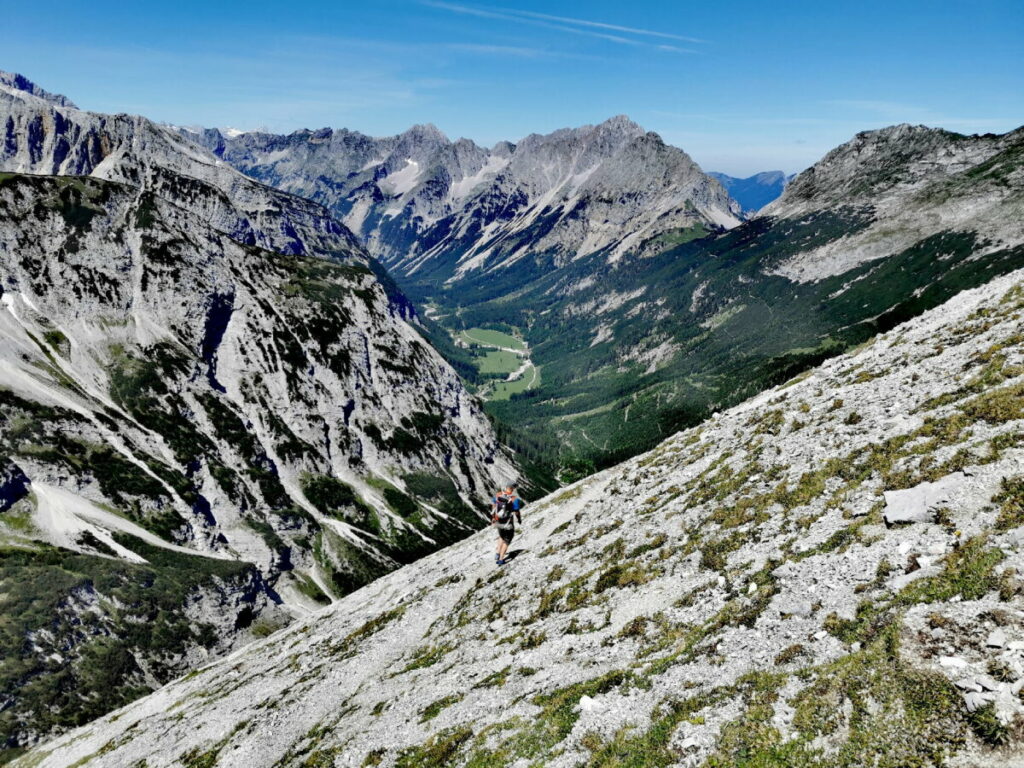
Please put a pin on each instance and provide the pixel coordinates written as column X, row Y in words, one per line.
column 515, row 51
column 602, row 25
column 574, row 26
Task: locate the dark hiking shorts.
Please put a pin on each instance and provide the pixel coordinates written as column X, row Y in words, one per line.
column 506, row 536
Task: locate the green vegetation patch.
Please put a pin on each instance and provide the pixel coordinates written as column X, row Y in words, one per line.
column 530, row 379
column 97, row 671
column 491, row 338
column 435, row 708
column 337, row 498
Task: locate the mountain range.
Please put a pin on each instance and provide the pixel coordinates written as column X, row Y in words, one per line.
column 218, row 413
column 677, row 309
column 430, row 208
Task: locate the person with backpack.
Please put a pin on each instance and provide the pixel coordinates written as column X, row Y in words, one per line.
column 504, row 507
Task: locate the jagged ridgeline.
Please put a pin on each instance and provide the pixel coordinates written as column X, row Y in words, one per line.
column 214, row 414
column 826, row 576
column 646, row 302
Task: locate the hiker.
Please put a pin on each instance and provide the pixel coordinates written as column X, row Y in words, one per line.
column 504, row 507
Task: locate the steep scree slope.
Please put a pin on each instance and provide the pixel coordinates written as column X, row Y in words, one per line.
column 734, row 597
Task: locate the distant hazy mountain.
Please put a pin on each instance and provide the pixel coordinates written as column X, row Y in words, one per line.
column 754, row 192
column 441, row 210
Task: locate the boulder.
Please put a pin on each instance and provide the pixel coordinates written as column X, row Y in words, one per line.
column 919, row 504
column 996, row 639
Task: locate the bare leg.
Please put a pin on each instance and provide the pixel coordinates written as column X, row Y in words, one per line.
column 502, row 548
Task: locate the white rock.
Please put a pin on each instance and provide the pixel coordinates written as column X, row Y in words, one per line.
column 918, row 504
column 977, row 700
column 588, row 704
column 987, row 683
column 952, row 662
column 996, row 638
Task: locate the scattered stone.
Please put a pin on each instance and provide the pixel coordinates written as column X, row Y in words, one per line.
column 975, row 701
column 588, row 704
column 952, row 662
column 987, row 683
column 996, row 639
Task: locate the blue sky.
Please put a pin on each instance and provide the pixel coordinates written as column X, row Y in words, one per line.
column 741, row 86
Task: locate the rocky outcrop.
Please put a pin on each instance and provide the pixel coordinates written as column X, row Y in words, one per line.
column 911, row 182
column 732, row 596
column 22, row 83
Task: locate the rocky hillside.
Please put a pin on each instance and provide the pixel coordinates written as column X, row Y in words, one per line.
column 440, row 210
column 826, row 575
column 207, row 389
column 754, row 192
column 902, row 184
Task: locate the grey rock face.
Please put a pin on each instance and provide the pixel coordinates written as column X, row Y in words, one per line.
column 195, row 367
column 423, row 204
column 627, row 619
column 22, row 83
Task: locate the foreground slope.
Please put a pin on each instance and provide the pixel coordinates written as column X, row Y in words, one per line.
column 828, row 574
column 215, row 415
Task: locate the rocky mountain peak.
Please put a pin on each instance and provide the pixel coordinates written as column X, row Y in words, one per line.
column 621, row 124
column 876, row 165
column 22, row 83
